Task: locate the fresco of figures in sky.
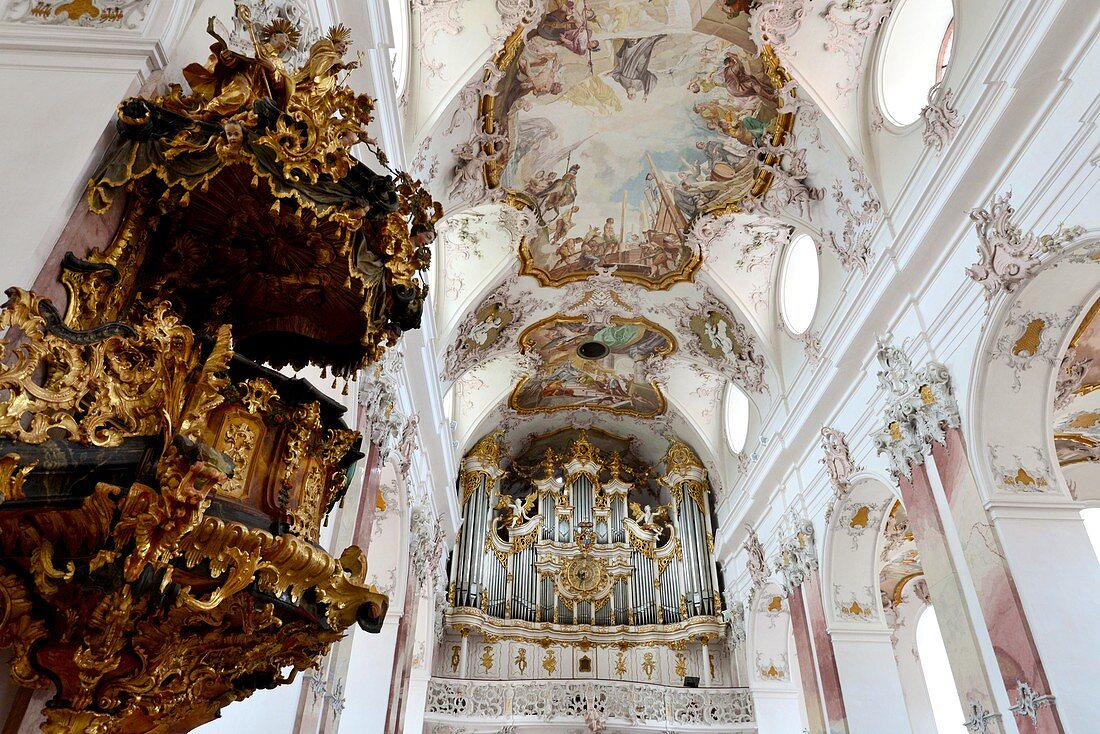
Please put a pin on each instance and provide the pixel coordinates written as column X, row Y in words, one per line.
column 586, row 365
column 620, row 134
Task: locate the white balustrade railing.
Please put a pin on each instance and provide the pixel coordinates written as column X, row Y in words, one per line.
column 573, row 701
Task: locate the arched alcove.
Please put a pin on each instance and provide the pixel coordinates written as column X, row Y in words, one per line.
column 850, row 562
column 769, row 625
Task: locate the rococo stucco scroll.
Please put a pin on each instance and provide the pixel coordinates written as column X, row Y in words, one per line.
column 1010, row 256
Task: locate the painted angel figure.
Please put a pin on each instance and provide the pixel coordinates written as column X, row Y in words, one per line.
column 651, row 519
column 479, row 334
column 719, row 334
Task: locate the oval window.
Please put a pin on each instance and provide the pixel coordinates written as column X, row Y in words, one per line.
column 798, row 284
column 737, row 418
column 915, row 52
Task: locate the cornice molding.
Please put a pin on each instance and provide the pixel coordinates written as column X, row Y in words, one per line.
column 142, row 50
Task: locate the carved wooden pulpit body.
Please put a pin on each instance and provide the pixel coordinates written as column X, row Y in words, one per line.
column 162, row 484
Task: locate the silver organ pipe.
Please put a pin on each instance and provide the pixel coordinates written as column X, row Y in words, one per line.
column 524, row 566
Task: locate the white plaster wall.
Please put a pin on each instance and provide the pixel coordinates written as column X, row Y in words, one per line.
column 56, row 114
column 910, row 673
column 368, row 678
column 264, row 712
column 1067, row 649
column 777, row 711
column 869, row 679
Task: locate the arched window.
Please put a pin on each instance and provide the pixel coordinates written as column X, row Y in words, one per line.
column 799, row 278
column 946, row 707
column 737, row 418
column 947, row 45
column 916, row 49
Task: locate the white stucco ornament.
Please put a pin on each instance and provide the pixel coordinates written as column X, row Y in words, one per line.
column 1008, row 256
column 941, row 119
column 1029, row 701
column 757, row 563
column 773, row 22
column 851, row 23
column 837, row 460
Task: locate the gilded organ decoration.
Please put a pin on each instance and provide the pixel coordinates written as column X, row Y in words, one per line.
column 585, row 541
column 162, row 487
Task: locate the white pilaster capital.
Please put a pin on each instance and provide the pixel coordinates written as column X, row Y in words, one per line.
column 1038, row 508
column 869, row 635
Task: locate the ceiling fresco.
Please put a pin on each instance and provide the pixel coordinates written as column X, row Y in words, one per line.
column 586, row 365
column 607, row 168
column 899, row 558
column 586, row 107
column 1077, row 395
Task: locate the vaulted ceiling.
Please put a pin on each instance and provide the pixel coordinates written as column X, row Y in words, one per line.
column 620, row 181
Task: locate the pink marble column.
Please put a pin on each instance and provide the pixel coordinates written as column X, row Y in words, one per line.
column 368, row 504
column 807, row 668
column 402, row 656
column 816, row 659
column 1013, row 644
column 957, row 622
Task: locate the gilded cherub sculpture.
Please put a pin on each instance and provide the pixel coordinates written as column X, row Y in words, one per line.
column 516, row 509
column 653, row 520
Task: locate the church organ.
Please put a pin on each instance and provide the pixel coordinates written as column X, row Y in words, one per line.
column 576, row 539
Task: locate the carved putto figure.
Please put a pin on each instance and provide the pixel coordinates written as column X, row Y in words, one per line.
column 653, row 520
column 595, row 720
column 517, row 509
column 410, row 442
column 789, row 188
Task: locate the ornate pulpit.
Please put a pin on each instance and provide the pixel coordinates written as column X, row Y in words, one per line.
column 162, row 483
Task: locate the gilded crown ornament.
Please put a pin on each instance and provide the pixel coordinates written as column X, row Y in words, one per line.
column 162, row 489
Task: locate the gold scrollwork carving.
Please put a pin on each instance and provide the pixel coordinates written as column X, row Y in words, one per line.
column 98, row 387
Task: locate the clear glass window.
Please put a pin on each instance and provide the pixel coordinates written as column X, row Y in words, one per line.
column 916, row 50
column 799, row 280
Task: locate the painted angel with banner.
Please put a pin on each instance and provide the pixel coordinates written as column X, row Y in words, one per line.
column 516, row 509
column 651, row 519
